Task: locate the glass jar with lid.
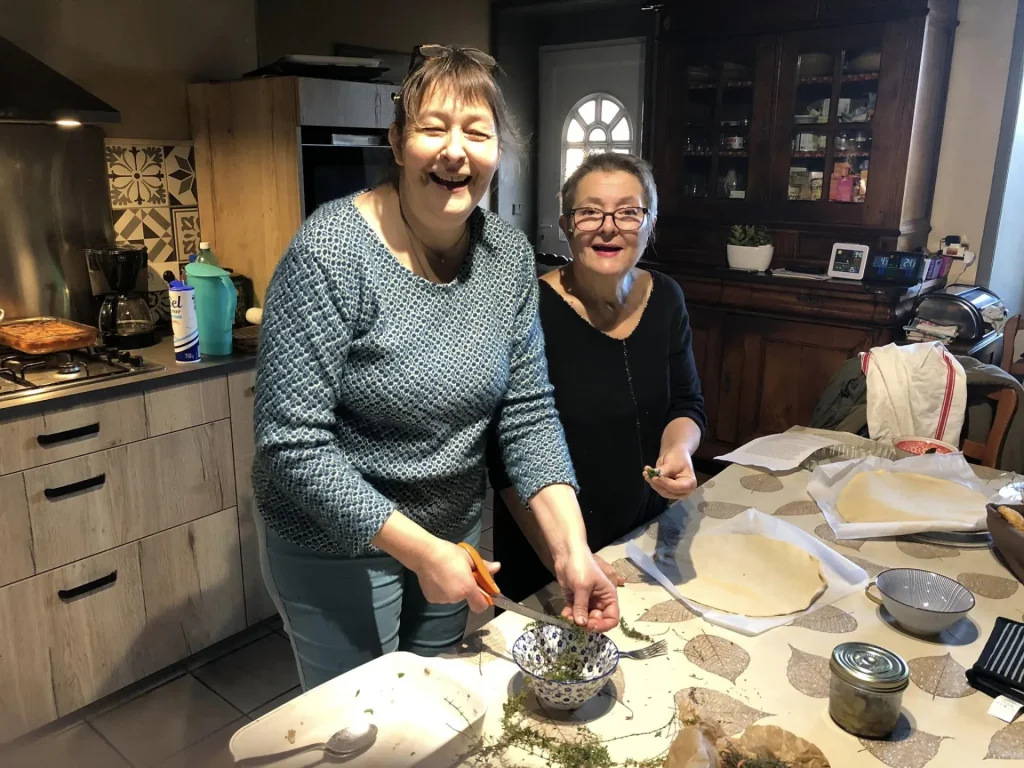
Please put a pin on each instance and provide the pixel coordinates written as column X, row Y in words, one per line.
column 867, row 689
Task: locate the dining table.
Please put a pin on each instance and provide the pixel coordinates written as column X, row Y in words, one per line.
column 782, row 676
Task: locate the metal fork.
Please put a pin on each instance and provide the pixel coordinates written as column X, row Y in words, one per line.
column 657, row 649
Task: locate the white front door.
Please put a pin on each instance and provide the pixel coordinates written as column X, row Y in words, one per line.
column 591, row 100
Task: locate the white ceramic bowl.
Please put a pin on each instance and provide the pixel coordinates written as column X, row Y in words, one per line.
column 922, row 602
column 753, row 258
column 600, row 656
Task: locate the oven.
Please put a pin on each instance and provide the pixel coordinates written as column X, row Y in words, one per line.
column 337, row 162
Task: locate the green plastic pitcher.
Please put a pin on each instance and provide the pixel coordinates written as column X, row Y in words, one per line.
column 215, row 306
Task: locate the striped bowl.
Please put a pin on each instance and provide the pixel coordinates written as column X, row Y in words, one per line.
column 922, row 602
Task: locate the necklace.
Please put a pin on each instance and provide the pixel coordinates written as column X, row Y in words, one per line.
column 438, row 255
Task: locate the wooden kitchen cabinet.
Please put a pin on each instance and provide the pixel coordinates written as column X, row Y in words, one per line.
column 69, row 637
column 15, row 531
column 62, row 433
column 756, row 117
column 765, row 348
column 180, row 406
column 192, row 584
column 774, row 371
column 242, row 390
column 91, row 503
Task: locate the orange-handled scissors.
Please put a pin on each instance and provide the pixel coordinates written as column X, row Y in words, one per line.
column 493, row 595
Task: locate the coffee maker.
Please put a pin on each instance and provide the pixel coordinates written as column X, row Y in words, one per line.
column 119, row 274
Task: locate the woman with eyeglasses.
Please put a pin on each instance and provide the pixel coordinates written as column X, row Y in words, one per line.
column 620, row 358
column 397, row 325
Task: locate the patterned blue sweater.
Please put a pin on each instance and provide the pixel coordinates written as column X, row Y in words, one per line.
column 375, row 387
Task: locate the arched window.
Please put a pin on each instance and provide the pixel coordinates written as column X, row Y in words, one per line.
column 598, row 123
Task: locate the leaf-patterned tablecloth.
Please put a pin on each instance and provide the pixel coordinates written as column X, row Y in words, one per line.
column 782, row 677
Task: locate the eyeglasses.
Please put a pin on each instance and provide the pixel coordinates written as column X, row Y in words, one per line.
column 432, row 51
column 592, row 219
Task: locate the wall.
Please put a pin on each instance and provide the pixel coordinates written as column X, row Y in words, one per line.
column 974, row 110
column 137, row 55
column 1006, row 273
column 314, row 26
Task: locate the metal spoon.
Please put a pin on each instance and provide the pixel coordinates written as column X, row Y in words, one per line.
column 351, row 739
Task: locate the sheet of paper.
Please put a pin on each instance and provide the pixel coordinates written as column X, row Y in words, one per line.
column 778, row 452
column 843, row 577
column 827, row 483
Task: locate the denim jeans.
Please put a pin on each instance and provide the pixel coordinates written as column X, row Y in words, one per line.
column 341, row 612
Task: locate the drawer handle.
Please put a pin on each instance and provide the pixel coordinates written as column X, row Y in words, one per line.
column 69, row 434
column 89, row 586
column 81, row 485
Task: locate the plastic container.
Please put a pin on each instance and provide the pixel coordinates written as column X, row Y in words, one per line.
column 867, row 687
column 206, row 255
column 184, row 323
column 215, row 307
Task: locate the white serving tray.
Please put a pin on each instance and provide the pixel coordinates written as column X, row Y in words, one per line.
column 425, row 715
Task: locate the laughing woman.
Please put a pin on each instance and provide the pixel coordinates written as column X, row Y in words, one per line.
column 620, row 357
column 400, row 322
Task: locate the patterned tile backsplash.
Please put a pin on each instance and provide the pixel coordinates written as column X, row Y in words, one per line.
column 153, row 203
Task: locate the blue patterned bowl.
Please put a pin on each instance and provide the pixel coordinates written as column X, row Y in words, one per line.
column 600, row 658
column 922, row 602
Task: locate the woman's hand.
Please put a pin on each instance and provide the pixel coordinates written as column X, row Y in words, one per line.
column 611, row 573
column 677, row 479
column 445, row 572
column 589, row 595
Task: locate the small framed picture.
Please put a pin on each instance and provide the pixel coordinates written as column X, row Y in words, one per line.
column 849, row 261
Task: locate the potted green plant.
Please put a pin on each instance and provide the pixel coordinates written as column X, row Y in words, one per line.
column 750, row 247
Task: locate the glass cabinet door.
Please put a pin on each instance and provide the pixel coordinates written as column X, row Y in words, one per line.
column 719, row 109
column 828, row 120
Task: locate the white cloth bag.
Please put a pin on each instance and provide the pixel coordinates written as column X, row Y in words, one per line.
column 914, row 389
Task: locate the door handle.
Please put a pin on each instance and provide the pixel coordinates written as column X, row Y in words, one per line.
column 89, row 586
column 80, row 485
column 68, row 434
column 727, row 383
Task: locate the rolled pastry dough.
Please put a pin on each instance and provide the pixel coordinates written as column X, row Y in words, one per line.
column 752, row 575
column 897, row 497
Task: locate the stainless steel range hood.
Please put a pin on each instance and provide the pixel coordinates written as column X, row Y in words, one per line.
column 32, row 92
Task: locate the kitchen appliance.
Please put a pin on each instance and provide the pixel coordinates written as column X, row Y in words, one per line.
column 905, row 267
column 975, row 311
column 125, row 320
column 215, row 306
column 849, row 261
column 23, row 375
column 42, row 95
column 338, row 162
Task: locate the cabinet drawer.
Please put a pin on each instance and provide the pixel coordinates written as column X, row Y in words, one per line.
column 192, row 582
column 186, row 405
column 69, row 637
column 92, row 503
column 31, row 441
column 258, row 604
column 15, row 534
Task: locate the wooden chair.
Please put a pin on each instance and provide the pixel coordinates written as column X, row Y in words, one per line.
column 989, row 452
column 1007, row 362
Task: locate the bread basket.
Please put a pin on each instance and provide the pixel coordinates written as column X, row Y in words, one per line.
column 1007, row 540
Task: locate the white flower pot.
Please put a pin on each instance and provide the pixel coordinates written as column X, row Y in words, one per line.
column 752, row 258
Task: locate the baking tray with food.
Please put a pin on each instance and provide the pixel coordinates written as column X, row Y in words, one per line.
column 877, row 498
column 46, row 335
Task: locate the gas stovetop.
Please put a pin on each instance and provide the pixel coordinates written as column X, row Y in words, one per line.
column 22, row 374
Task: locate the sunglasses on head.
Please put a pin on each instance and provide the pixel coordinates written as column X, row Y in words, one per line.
column 431, row 51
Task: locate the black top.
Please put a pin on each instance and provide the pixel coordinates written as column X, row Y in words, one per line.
column 615, row 397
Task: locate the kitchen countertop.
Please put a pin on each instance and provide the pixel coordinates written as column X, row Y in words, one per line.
column 161, row 353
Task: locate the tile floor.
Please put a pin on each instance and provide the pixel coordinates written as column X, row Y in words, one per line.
column 182, row 717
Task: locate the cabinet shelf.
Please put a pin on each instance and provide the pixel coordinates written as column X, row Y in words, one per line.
column 860, row 77
column 739, row 84
column 703, row 86
column 816, row 80
column 734, row 153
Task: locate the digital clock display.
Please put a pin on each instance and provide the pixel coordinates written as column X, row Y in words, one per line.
column 848, row 260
